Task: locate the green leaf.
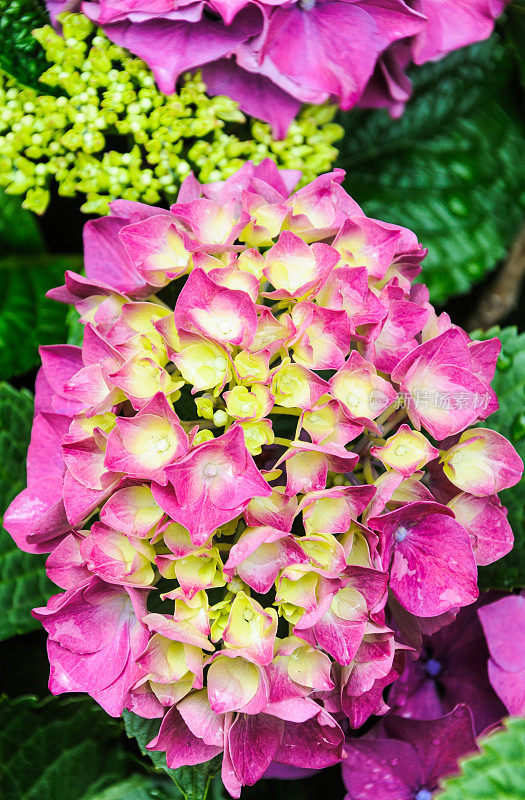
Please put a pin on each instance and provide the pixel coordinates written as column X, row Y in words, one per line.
column 452, row 168
column 58, row 749
column 28, row 318
column 23, row 581
column 19, row 232
column 509, row 420
column 138, row 787
column 497, row 773
column 193, row 783
column 20, row 55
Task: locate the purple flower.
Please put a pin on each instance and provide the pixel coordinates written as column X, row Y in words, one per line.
column 451, row 669
column 407, row 758
column 274, row 55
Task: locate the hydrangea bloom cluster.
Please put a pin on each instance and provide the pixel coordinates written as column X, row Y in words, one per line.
column 272, row 56
column 259, row 473
column 109, row 133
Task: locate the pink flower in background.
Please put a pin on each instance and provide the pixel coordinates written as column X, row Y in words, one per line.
column 451, row 669
column 273, row 56
column 506, row 666
column 406, row 758
column 255, row 535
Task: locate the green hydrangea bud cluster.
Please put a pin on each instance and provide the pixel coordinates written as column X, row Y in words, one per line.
column 110, row 133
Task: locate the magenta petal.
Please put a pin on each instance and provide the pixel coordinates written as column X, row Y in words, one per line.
column 95, row 636
column 253, row 742
column 65, row 566
column 318, row 48
column 171, row 48
column 487, row 524
column 339, row 637
column 181, row 746
column 105, row 256
column 316, row 743
column 256, row 94
column 507, row 651
column 36, row 524
column 510, row 688
column 452, row 24
column 507, row 662
column 438, row 743
column 433, row 567
column 384, row 770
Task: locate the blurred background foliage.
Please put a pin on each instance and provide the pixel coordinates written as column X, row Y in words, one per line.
column 453, row 170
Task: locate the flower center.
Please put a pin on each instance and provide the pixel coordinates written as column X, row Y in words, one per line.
column 400, row 534
column 433, row 667
column 307, row 5
column 423, row 794
column 163, row 445
column 210, row 471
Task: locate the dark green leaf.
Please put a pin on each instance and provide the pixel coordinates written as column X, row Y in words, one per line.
column 515, row 30
column 138, row 787
column 193, row 783
column 509, row 420
column 497, row 773
column 23, row 581
column 67, row 749
column 27, row 318
column 19, row 232
column 20, row 55
column 452, row 168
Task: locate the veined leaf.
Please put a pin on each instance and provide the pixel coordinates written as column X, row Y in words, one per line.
column 452, row 168
column 58, row 749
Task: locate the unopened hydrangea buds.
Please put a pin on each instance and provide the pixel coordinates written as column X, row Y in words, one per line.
column 239, row 476
column 97, row 126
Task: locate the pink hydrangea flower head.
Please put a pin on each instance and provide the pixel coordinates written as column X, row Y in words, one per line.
column 237, row 478
column 273, row 56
